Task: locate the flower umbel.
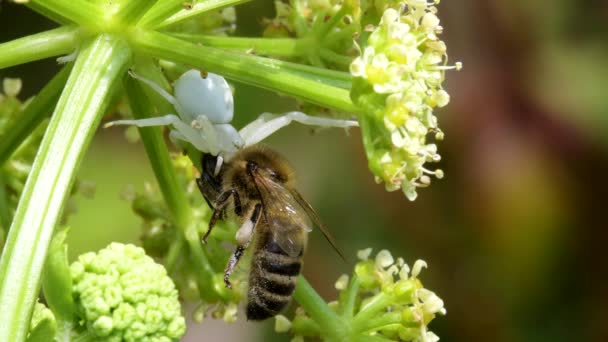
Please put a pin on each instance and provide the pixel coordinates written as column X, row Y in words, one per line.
column 384, row 297
column 398, row 79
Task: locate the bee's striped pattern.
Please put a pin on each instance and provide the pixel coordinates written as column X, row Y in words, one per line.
column 272, row 279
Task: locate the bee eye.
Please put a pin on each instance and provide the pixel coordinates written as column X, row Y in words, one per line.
column 276, row 176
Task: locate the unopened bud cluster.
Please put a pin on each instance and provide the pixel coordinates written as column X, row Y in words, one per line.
column 398, row 80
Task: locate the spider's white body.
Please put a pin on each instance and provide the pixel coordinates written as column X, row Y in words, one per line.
column 205, row 108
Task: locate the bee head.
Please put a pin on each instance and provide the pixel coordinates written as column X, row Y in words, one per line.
column 268, row 163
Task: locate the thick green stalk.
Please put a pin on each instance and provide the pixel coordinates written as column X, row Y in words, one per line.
column 59, row 41
column 332, row 326
column 36, row 111
column 199, row 8
column 132, row 11
column 258, row 71
column 97, row 72
column 81, row 12
column 160, row 11
column 173, row 192
column 156, row 149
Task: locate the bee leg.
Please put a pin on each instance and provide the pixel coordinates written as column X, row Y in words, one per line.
column 243, row 238
column 209, row 184
column 220, row 208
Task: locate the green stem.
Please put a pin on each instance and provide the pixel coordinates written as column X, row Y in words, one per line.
column 5, row 216
column 81, row 12
column 258, row 71
column 377, row 323
column 35, row 112
column 158, row 154
column 332, row 326
column 324, row 28
column 277, row 47
column 132, row 11
column 367, row 338
column 199, row 8
column 159, row 12
column 97, row 71
column 305, row 326
column 335, row 58
column 349, row 298
column 50, row 43
column 372, row 308
column 173, row 254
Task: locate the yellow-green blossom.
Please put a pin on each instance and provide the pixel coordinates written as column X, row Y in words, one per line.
column 384, row 297
column 398, row 80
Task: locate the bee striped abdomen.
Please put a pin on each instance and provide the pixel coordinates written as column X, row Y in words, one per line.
column 271, row 282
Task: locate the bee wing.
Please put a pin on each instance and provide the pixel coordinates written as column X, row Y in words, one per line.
column 287, row 219
column 283, row 202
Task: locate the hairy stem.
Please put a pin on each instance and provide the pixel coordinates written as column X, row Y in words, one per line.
column 97, row 71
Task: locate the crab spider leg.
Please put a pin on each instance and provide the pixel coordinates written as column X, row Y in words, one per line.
column 268, row 123
column 172, row 100
column 187, row 132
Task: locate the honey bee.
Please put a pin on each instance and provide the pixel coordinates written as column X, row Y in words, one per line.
column 271, row 212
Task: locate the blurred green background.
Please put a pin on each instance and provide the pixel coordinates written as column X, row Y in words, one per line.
column 513, row 236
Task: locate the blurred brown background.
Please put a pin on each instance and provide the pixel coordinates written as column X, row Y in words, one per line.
column 515, row 235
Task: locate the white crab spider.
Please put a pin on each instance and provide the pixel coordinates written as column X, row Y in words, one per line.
column 205, row 107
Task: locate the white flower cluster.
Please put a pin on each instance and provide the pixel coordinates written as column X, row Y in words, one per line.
column 404, row 61
column 396, row 275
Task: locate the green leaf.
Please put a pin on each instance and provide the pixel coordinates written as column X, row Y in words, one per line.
column 57, row 280
column 98, row 69
column 43, row 332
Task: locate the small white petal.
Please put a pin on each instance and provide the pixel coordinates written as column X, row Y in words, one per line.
column 364, row 253
column 384, row 259
column 418, row 266
column 342, row 282
column 281, row 324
